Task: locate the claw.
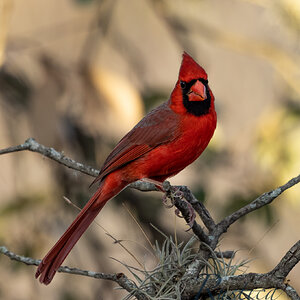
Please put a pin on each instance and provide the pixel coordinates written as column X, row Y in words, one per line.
column 178, row 213
column 165, row 202
column 179, row 193
column 192, row 215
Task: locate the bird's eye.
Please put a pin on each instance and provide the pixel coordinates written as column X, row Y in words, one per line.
column 183, row 84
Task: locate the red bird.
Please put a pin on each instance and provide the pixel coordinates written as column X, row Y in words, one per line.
column 164, row 142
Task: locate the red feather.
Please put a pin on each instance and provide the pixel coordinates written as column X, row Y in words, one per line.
column 158, row 127
column 163, row 143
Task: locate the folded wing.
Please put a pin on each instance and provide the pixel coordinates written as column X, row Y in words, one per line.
column 160, row 126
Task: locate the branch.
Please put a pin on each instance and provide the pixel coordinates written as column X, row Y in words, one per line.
column 120, row 278
column 287, row 263
column 206, row 284
column 259, row 202
column 215, row 231
column 248, row 282
column 32, row 145
column 186, row 213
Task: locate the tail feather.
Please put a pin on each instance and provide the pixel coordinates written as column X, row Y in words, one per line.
column 55, row 257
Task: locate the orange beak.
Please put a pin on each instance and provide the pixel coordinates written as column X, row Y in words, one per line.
column 197, row 92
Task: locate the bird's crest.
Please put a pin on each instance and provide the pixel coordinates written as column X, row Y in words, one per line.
column 190, row 70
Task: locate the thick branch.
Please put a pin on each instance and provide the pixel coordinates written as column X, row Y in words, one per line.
column 287, row 263
column 205, row 284
column 274, row 279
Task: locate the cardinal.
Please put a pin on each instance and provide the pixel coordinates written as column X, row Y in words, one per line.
column 164, row 142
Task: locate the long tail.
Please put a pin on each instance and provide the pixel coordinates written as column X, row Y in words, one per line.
column 55, row 257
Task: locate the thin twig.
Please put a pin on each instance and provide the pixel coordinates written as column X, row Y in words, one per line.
column 222, row 226
column 139, row 226
column 116, row 241
column 259, row 202
column 119, row 278
column 32, row 145
column 225, row 254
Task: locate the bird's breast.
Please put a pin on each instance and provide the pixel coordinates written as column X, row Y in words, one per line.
column 169, row 159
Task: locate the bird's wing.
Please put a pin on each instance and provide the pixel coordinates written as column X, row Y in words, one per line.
column 160, row 126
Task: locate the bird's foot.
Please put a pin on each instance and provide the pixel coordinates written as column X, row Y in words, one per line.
column 192, row 215
column 191, row 212
column 165, row 201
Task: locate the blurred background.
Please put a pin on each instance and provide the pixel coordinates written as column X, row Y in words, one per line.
column 78, row 74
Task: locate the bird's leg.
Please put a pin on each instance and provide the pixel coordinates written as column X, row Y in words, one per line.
column 174, row 191
column 191, row 212
column 163, row 187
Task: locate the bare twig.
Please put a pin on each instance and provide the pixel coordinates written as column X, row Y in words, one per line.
column 119, row 278
column 32, row 145
column 259, row 202
column 116, row 241
column 25, row 260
